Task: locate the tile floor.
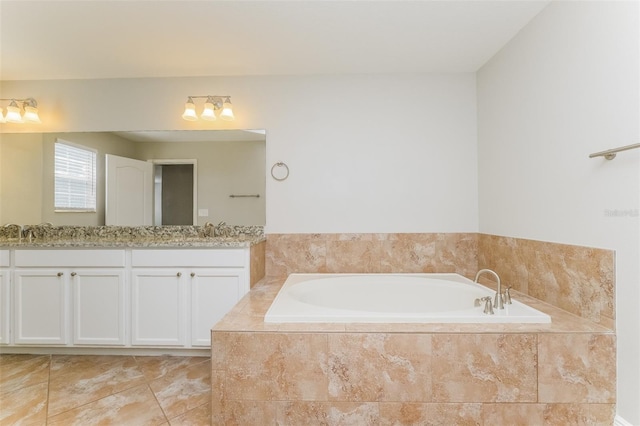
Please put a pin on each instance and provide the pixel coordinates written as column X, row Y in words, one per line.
column 104, row 390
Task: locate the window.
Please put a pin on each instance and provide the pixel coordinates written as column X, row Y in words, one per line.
column 75, row 178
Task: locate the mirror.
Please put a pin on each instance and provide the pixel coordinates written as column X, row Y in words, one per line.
column 227, row 181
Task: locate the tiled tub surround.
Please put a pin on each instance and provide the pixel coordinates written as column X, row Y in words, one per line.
column 372, row 253
column 420, row 374
column 424, row 374
column 575, row 278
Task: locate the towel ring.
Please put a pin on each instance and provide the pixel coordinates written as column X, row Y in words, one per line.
column 280, row 164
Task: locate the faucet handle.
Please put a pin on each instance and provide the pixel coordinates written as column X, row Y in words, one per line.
column 507, row 296
column 488, row 306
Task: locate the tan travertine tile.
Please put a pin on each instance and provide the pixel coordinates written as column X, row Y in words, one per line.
column 484, row 368
column 362, row 256
column 431, row 414
column 577, row 368
column 24, row 405
column 135, row 406
column 257, row 262
column 457, row 252
column 20, row 371
column 289, row 253
column 218, row 395
column 578, row 279
column 513, row 414
column 327, row 413
column 266, row 366
column 243, row 413
column 579, row 414
column 379, row 367
column 505, row 256
column 183, row 389
column 198, row 416
column 409, row 253
column 65, row 364
column 154, row 367
column 75, row 381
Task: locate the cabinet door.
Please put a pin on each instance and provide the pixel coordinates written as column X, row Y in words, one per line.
column 98, row 306
column 4, row 306
column 40, row 306
column 213, row 293
column 157, row 307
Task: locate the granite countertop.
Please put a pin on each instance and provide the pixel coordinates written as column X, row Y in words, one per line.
column 49, row 236
column 212, row 242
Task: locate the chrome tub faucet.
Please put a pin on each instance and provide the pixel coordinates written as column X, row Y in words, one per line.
column 498, row 302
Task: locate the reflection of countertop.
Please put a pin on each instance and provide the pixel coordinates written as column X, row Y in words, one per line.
column 212, row 242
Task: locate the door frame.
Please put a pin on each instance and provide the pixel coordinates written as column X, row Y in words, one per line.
column 171, row 161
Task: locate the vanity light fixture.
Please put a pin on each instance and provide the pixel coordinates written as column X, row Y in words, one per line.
column 20, row 111
column 212, row 104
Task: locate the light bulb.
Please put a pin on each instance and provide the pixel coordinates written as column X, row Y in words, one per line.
column 227, row 111
column 189, row 113
column 209, row 111
column 13, row 113
column 2, row 120
column 31, row 114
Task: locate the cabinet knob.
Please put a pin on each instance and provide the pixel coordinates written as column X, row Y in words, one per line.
column 179, row 274
column 60, row 274
column 73, row 274
column 193, row 274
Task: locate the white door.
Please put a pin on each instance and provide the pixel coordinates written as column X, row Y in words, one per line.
column 129, row 188
column 99, row 303
column 157, row 307
column 40, row 306
column 213, row 293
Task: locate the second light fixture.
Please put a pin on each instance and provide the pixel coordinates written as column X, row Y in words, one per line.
column 212, row 104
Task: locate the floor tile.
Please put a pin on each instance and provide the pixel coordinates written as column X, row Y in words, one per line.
column 135, row 406
column 25, row 405
column 21, row 371
column 80, row 381
column 154, row 367
column 199, row 416
column 183, row 389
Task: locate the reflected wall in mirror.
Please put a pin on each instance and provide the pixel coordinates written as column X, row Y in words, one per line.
column 224, row 163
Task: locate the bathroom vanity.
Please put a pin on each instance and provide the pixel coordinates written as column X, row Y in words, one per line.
column 121, row 296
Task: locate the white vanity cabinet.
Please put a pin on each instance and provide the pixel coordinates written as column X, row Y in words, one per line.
column 118, row 299
column 178, row 295
column 65, row 297
column 158, row 314
column 4, row 297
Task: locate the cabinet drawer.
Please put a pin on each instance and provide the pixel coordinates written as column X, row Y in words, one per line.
column 70, row 258
column 187, row 258
column 4, row 258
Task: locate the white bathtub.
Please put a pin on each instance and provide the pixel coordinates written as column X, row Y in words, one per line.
column 390, row 298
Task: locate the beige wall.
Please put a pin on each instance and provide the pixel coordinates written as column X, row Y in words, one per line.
column 20, row 178
column 26, row 176
column 224, row 168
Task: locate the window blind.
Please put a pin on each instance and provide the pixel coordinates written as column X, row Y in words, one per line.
column 75, row 178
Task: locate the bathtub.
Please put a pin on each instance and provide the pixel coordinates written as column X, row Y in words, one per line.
column 390, row 298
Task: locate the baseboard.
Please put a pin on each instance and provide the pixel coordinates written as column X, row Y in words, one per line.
column 619, row 421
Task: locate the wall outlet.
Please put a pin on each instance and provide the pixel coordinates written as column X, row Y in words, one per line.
column 203, row 212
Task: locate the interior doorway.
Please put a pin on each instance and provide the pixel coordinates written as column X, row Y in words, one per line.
column 175, row 192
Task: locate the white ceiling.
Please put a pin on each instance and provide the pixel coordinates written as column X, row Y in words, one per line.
column 86, row 39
